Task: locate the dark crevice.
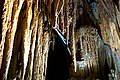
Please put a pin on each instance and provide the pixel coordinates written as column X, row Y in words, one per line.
column 58, row 61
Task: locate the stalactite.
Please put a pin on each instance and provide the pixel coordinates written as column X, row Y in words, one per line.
column 40, row 33
column 73, row 35
column 35, row 73
column 56, row 6
column 60, row 6
column 28, row 75
column 20, row 56
column 38, row 51
column 26, row 36
column 5, row 24
column 87, row 66
column 13, row 69
column 49, row 6
column 12, row 26
column 7, row 11
column 62, row 21
column 34, row 25
column 45, row 53
column 67, row 19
